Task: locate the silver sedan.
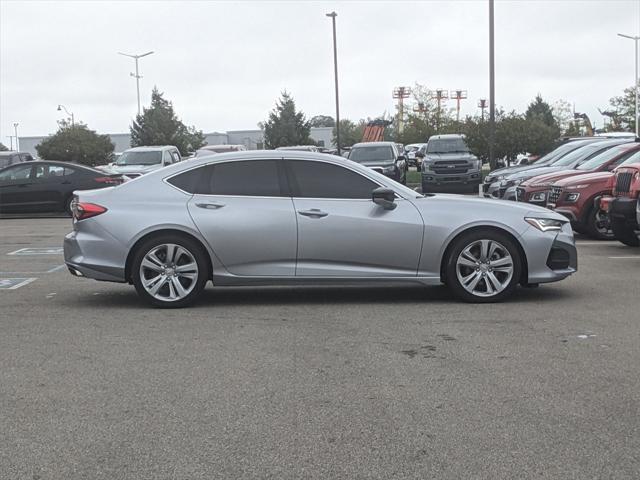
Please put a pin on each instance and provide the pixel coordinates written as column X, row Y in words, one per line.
column 298, row 218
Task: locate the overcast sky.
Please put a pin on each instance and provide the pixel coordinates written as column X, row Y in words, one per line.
column 223, row 64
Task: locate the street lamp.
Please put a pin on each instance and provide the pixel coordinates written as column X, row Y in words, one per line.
column 333, row 16
column 136, row 75
column 61, row 108
column 635, row 79
column 15, row 128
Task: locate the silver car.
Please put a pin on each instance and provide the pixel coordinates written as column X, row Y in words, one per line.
column 301, row 218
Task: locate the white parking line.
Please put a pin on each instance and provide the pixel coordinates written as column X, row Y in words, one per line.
column 605, row 242
column 38, row 251
column 51, row 270
column 625, row 257
column 14, row 283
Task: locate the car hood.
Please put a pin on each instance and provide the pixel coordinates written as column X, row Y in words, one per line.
column 377, row 163
column 551, row 177
column 512, row 170
column 590, row 178
column 124, row 169
column 536, row 172
column 432, row 157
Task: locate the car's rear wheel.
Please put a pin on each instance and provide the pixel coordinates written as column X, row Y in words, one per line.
column 170, row 271
column 67, row 206
column 623, row 232
column 483, row 266
column 598, row 225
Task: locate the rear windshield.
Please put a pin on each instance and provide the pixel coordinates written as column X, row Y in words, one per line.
column 447, row 145
column 371, row 154
column 140, row 158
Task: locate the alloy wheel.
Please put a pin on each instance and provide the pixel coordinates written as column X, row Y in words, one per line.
column 169, row 272
column 484, row 268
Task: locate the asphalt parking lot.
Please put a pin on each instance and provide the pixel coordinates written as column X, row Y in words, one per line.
column 315, row 382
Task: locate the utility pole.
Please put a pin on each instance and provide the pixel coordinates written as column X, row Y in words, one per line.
column 458, row 95
column 482, row 105
column 400, row 93
column 492, row 89
column 333, row 16
column 420, row 108
column 10, row 142
column 15, row 128
column 440, row 96
column 635, row 80
column 136, row 75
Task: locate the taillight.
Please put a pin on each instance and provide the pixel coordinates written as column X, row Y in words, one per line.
column 109, row 180
column 84, row 210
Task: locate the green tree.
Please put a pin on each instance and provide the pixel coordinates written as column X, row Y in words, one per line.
column 563, row 115
column 542, row 111
column 624, row 107
column 350, row 132
column 322, row 121
column 159, row 125
column 286, row 126
column 3, row 147
column 76, row 143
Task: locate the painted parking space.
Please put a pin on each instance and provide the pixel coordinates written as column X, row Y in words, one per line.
column 14, row 283
column 37, row 251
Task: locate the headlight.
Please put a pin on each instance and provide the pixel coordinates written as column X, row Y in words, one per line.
column 572, row 197
column 540, row 185
column 545, row 224
column 538, row 197
column 389, row 169
column 577, row 187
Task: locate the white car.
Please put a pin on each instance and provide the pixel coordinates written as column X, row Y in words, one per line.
column 140, row 160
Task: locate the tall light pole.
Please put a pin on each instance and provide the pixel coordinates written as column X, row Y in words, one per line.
column 15, row 129
column 635, row 79
column 492, row 89
column 10, row 142
column 136, row 75
column 73, row 121
column 333, row 16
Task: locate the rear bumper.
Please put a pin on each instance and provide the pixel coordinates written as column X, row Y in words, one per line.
column 87, row 254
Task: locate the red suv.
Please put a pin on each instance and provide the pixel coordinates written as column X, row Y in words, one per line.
column 577, row 198
column 621, row 205
column 536, row 189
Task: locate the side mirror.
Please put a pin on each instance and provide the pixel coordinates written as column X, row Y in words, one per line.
column 611, row 168
column 524, row 161
column 419, row 154
column 385, row 197
column 401, row 157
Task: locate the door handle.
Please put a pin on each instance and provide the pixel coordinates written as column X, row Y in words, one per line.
column 313, row 213
column 210, row 205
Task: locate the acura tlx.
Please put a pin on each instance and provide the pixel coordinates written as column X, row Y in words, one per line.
column 299, row 218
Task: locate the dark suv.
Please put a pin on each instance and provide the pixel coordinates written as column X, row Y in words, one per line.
column 11, row 158
column 383, row 157
column 448, row 163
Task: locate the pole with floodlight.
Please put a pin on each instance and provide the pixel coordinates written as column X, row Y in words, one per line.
column 136, row 75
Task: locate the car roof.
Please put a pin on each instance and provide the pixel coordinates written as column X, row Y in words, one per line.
column 445, row 136
column 155, row 148
column 59, row 163
column 373, row 144
column 12, row 152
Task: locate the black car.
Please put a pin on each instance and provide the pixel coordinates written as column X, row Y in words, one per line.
column 11, row 158
column 47, row 186
column 383, row 157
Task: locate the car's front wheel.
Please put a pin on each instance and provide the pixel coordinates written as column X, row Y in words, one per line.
column 483, row 266
column 170, row 271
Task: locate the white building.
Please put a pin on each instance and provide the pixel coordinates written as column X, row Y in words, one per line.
column 252, row 139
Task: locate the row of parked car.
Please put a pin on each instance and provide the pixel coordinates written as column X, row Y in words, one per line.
column 594, row 182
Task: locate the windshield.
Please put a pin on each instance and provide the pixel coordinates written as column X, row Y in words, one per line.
column 371, row 154
column 603, row 157
column 447, row 145
column 140, row 158
column 634, row 158
column 559, row 152
column 576, row 155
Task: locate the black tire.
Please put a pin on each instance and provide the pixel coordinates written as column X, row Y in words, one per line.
column 67, row 206
column 623, row 232
column 596, row 226
column 192, row 247
column 461, row 243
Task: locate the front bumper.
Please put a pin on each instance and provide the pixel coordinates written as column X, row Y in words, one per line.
column 624, row 208
column 431, row 178
column 550, row 258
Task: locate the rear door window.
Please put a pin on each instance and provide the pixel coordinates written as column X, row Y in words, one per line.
column 22, row 172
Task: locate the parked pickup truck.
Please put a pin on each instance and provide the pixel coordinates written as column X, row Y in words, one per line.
column 140, row 160
column 621, row 206
column 448, row 164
